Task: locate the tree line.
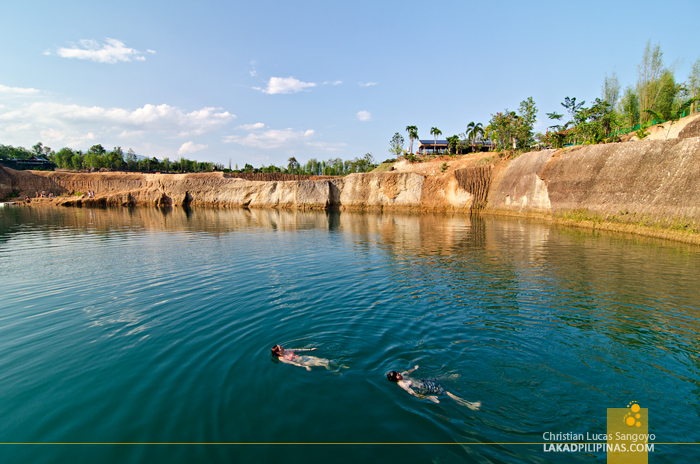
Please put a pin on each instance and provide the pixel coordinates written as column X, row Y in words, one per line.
column 314, row 167
column 656, row 97
column 97, row 157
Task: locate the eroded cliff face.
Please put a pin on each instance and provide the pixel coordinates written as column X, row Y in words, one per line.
column 392, row 190
column 658, row 180
column 655, row 180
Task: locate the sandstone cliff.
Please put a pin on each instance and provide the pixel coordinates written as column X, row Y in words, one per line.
column 652, row 182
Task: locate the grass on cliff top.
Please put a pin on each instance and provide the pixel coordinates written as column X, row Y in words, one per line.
column 384, row 167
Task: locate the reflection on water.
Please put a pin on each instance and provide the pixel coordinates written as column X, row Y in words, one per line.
column 148, row 325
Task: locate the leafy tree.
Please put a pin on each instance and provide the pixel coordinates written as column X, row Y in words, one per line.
column 502, row 129
column 611, row 90
column 412, row 135
column 572, row 107
column 131, row 160
column 435, row 131
column 396, row 144
column 77, row 160
column 292, row 165
column 115, row 159
column 655, row 83
column 38, row 148
column 694, row 85
column 453, row 143
column 528, row 117
column 629, row 107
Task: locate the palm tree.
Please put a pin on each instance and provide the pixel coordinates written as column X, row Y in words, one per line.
column 412, row 135
column 474, row 131
column 435, row 131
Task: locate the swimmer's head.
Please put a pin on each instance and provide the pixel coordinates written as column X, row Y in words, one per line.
column 277, row 350
column 394, row 376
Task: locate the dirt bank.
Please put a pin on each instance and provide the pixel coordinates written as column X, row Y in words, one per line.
column 651, row 186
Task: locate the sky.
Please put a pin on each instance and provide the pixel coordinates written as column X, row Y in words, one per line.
column 258, row 82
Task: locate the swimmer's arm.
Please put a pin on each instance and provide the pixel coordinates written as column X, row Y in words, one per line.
column 410, row 370
column 303, row 349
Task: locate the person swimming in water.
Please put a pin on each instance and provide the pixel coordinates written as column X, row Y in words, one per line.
column 290, row 357
column 426, row 388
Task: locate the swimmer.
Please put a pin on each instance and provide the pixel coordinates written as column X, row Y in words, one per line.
column 290, row 357
column 426, row 388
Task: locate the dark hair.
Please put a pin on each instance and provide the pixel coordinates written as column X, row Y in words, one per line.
column 394, row 376
column 276, row 350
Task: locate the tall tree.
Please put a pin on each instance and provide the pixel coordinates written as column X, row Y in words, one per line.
column 528, row 118
column 694, row 84
column 396, row 144
column 474, row 131
column 453, row 143
column 412, row 135
column 629, row 107
column 611, row 89
column 649, row 79
column 435, row 131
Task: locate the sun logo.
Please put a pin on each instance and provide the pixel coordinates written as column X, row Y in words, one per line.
column 631, row 418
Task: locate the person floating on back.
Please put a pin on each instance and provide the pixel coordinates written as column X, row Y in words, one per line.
column 426, row 388
column 290, row 357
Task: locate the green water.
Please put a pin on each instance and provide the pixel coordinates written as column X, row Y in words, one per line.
column 155, row 326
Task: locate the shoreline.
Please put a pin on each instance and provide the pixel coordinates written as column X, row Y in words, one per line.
column 625, row 229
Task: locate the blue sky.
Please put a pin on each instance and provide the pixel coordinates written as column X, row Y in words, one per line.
column 258, row 82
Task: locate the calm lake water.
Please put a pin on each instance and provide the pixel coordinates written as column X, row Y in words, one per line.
column 155, row 326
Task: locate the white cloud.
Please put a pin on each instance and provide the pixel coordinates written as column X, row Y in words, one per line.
column 17, row 90
column 285, row 85
column 150, row 117
column 191, row 147
column 67, row 137
column 287, row 140
column 126, row 134
column 364, row 116
column 257, row 125
column 150, row 51
column 366, row 84
column 337, row 82
column 110, row 52
column 271, row 138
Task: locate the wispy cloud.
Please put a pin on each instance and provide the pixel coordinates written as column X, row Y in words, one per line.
column 333, row 83
column 364, row 116
column 257, row 125
column 287, row 140
column 278, row 85
column 366, row 84
column 150, row 117
column 271, row 138
column 75, row 126
column 191, row 147
column 111, row 51
column 17, row 90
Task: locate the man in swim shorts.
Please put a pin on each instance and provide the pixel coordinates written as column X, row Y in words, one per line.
column 426, row 388
column 290, row 357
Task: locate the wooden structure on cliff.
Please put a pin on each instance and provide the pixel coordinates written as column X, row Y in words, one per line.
column 476, row 181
